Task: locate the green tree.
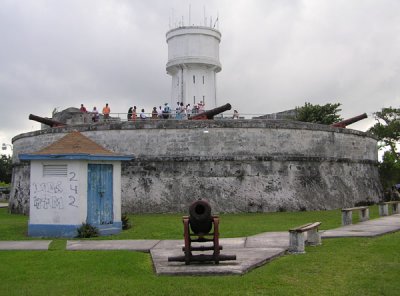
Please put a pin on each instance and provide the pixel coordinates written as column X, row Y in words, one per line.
column 387, row 130
column 5, row 168
column 326, row 114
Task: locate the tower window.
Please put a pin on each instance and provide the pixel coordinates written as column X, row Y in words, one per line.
column 194, row 79
column 194, row 100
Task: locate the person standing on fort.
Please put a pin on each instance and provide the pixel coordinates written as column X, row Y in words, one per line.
column 143, row 115
column 201, row 107
column 95, row 114
column 178, row 112
column 188, row 110
column 106, row 112
column 134, row 113
column 84, row 111
column 154, row 113
column 166, row 111
column 129, row 117
column 159, row 112
column 183, row 111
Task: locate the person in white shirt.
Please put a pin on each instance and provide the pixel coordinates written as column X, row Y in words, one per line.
column 143, row 115
column 159, row 112
column 188, row 110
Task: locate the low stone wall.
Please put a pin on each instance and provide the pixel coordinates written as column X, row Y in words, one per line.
column 238, row 165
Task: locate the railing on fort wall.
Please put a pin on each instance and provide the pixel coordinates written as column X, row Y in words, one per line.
column 181, row 116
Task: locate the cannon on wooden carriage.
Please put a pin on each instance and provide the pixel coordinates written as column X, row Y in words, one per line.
column 349, row 121
column 47, row 121
column 211, row 113
column 201, row 227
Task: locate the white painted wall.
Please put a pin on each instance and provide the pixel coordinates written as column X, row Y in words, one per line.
column 58, row 199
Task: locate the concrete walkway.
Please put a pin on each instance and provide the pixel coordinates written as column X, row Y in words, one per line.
column 368, row 228
column 251, row 252
column 3, row 205
column 33, row 245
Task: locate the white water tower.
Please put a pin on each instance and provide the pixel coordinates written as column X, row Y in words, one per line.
column 193, row 61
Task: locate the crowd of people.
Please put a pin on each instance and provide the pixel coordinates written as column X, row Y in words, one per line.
column 95, row 113
column 180, row 112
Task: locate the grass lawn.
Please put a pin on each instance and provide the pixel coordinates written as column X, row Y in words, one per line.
column 348, row 266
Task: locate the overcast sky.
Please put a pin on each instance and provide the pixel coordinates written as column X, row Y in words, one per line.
column 275, row 55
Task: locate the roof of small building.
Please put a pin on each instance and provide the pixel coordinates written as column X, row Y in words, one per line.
column 75, row 146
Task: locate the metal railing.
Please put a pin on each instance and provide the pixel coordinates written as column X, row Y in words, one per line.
column 168, row 116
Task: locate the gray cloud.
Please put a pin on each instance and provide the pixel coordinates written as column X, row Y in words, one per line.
column 275, row 54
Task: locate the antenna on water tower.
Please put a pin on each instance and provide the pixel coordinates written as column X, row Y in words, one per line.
column 190, row 17
column 204, row 14
column 216, row 21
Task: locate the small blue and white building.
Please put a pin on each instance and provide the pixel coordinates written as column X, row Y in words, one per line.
column 74, row 181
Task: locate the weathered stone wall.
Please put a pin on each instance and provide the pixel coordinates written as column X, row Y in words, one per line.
column 238, row 165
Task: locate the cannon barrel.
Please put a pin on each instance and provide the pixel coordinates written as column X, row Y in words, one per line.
column 47, row 121
column 349, row 121
column 200, row 218
column 211, row 113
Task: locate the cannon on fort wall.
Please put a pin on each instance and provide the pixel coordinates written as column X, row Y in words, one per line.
column 197, row 228
column 349, row 121
column 211, row 113
column 48, row 121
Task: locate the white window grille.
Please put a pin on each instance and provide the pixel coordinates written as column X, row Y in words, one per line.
column 55, row 170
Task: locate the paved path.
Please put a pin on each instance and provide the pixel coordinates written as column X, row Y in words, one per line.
column 25, row 245
column 368, row 228
column 251, row 252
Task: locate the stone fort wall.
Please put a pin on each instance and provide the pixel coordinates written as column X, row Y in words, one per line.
column 238, row 165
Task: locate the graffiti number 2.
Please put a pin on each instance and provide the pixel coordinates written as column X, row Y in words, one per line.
column 72, row 201
column 73, row 176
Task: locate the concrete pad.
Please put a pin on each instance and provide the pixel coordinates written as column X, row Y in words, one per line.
column 134, row 245
column 247, row 259
column 39, row 245
column 232, row 243
column 3, row 205
column 268, row 240
column 169, row 244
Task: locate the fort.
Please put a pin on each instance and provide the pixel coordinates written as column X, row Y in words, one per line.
column 244, row 165
column 250, row 165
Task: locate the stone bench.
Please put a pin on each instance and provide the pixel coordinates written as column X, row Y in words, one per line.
column 347, row 215
column 297, row 239
column 384, row 207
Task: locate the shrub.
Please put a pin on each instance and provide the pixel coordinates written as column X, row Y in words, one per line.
column 281, row 209
column 87, row 230
column 126, row 224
